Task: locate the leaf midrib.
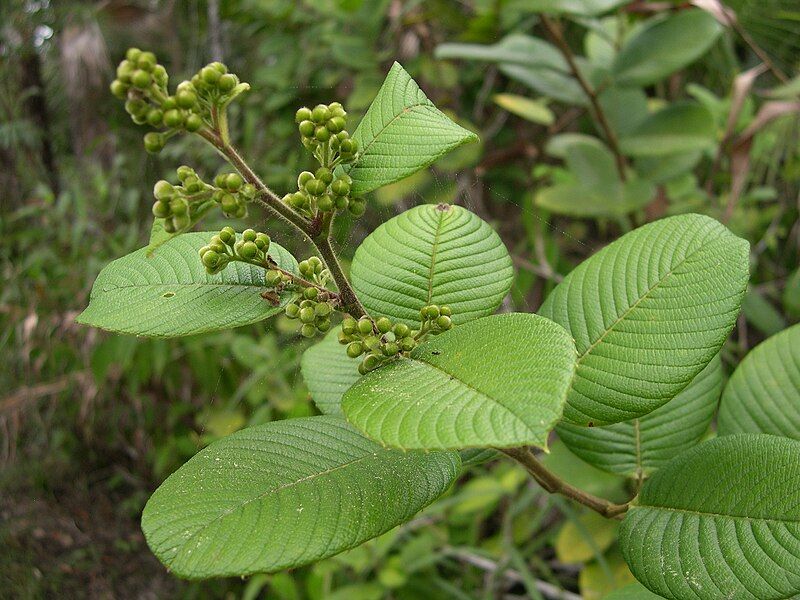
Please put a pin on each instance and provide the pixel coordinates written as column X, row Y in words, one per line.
column 434, row 248
column 405, row 110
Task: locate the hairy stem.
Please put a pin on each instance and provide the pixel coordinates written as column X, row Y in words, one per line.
column 554, row 31
column 316, row 231
column 555, row 485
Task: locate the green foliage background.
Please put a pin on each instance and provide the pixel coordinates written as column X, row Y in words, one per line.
column 91, row 423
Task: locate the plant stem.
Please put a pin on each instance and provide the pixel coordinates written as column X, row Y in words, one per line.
column 316, row 231
column 554, row 31
column 555, row 485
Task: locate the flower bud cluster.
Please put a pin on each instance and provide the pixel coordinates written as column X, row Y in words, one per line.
column 224, row 247
column 313, row 311
column 377, row 342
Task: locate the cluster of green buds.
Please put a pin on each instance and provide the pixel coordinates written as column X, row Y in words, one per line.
column 232, row 194
column 435, row 319
column 379, row 341
column 142, row 83
column 314, row 311
column 323, row 192
column 224, row 248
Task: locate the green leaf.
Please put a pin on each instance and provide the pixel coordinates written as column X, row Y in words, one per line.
column 535, row 111
column 634, row 591
column 721, row 520
column 499, row 381
column 598, row 191
column 585, row 8
column 581, row 539
column 763, row 394
column 638, row 447
column 548, row 82
column 665, row 45
column 791, row 295
column 761, row 314
column 429, row 254
column 328, row 373
column 514, row 49
column 285, row 494
column 170, row 294
column 401, row 133
column 648, row 312
column 679, row 128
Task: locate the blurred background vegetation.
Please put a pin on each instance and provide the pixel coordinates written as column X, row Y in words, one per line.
column 595, row 116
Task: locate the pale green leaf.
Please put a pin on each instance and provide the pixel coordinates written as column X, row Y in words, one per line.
column 638, row 447
column 285, row 494
column 328, row 373
column 581, row 539
column 648, row 312
column 514, row 49
column 548, row 82
column 721, row 520
column 401, row 133
column 499, row 381
column 763, row 394
column 576, row 200
column 170, row 294
column 681, row 127
column 535, row 111
column 429, row 254
column 665, row 45
column 585, row 8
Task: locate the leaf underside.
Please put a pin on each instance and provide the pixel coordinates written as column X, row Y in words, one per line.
column 498, row 381
column 721, row 520
column 401, row 133
column 638, row 447
column 285, row 494
column 763, row 394
column 429, row 254
column 170, row 294
column 648, row 313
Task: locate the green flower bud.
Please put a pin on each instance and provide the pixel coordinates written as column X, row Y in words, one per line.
column 169, row 226
column 340, row 187
column 341, row 202
column 298, row 200
column 161, row 210
column 444, row 322
column 407, row 344
column 323, row 324
column 249, row 235
column 141, row 79
column 383, row 324
column 344, row 338
column 325, row 175
column 322, row 134
column 248, row 191
column 323, row 309
column 355, row 349
column 302, row 114
column 446, row 311
column 390, row 349
column 308, row 330
column 310, row 293
column 401, row 330
column 240, row 212
column 307, row 315
column 193, row 122
column 273, row 278
column 132, row 54
column 263, row 241
column 320, row 114
column 234, row 182
column 315, row 263
column 136, row 106
column 154, row 142
column 304, row 178
column 210, row 75
column 237, row 246
column 347, row 146
column 194, row 186
column 221, row 68
column 178, row 206
column 186, row 99
column 307, row 128
column 430, row 312
column 335, row 124
column 155, row 117
column 227, row 82
column 227, row 235
column 325, row 203
column 315, row 187
column 307, row 303
column 160, row 75
column 146, row 61
column 211, row 259
column 305, row 268
column 125, row 70
column 169, row 103
column 372, row 342
column 183, row 172
column 292, row 310
column 173, row 118
column 364, row 325
column 349, row 325
column 371, row 362
column 357, row 207
column 163, row 190
column 249, row 250
column 229, row 204
column 336, row 110
column 119, row 89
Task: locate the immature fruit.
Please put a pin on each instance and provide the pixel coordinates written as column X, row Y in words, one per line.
column 335, row 124
column 390, row 349
column 154, row 142
column 344, row 338
column 210, row 75
column 365, row 325
column 321, row 134
column 323, row 324
column 357, row 207
column 146, row 61
column 372, row 342
column 227, row 235
column 383, row 324
column 155, row 117
column 229, row 204
column 407, row 344
column 263, row 241
column 302, row 114
column 211, row 259
column 315, row 187
column 371, row 362
column 446, row 311
column 341, row 203
column 184, row 172
column 355, row 349
column 173, row 118
column 132, row 54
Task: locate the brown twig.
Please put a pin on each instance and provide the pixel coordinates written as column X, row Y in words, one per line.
column 554, row 31
column 555, row 485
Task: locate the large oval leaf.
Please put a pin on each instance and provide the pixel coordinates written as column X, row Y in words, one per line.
column 285, row 494
column 648, row 313
column 170, row 294
column 665, row 45
column 681, row 127
column 499, row 381
column 328, row 373
column 721, row 520
column 401, row 133
column 636, row 448
column 763, row 394
column 439, row 254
